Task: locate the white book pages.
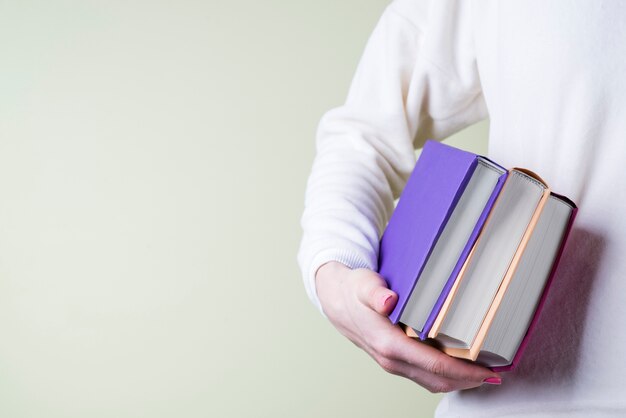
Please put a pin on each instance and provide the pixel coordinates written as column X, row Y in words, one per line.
column 492, row 256
column 450, row 244
column 520, row 301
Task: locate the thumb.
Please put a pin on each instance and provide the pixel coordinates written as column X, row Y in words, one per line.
column 374, row 293
column 387, row 302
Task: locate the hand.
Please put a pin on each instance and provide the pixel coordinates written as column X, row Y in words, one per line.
column 357, row 303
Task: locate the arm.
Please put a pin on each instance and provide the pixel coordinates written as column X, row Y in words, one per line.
column 417, row 79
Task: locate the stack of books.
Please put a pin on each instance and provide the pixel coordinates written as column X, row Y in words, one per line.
column 471, row 249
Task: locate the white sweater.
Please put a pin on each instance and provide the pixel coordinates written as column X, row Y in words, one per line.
column 551, row 76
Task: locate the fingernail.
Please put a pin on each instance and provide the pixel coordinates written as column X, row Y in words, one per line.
column 386, row 299
column 493, row 381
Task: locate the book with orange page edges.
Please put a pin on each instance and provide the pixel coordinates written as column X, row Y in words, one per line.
column 504, row 281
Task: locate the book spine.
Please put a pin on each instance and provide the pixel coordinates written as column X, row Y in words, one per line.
column 464, row 254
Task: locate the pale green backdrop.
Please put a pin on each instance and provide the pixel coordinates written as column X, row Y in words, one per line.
column 153, row 158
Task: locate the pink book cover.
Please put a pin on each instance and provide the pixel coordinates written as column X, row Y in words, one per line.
column 535, row 320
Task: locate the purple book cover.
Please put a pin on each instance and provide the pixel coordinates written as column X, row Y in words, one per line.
column 429, row 197
column 423, row 334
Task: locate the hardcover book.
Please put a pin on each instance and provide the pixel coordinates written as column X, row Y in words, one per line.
column 471, row 251
column 446, row 200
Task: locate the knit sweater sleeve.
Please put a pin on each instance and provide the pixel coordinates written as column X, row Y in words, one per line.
column 416, row 79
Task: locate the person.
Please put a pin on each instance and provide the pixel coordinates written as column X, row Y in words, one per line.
column 551, row 77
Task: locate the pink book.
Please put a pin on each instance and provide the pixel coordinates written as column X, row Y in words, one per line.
column 535, row 320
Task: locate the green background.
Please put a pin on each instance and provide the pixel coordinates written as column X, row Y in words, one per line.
column 153, row 159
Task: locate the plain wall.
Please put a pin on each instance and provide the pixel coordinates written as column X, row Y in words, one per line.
column 153, row 159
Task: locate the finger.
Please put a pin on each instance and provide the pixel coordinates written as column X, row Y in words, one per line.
column 395, row 344
column 438, row 363
column 387, row 303
column 436, row 378
column 434, row 384
column 373, row 292
column 425, row 365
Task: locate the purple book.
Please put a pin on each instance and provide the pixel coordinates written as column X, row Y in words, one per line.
column 429, row 199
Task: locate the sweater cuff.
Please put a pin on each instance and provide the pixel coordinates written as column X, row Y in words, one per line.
column 349, row 258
